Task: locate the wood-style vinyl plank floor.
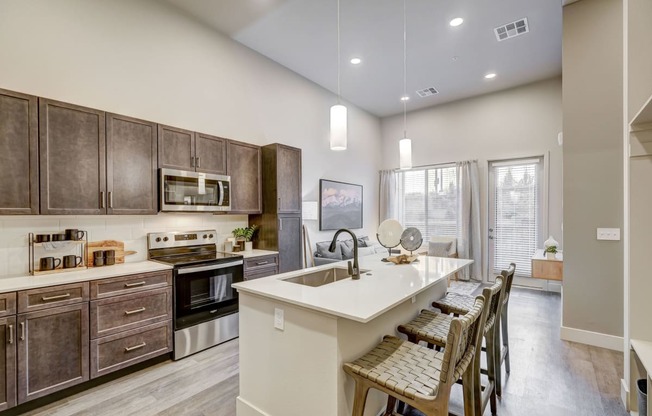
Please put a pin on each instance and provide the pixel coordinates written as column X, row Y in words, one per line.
column 549, row 377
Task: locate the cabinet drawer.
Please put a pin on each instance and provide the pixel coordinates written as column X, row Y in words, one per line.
column 114, row 352
column 130, row 284
column 121, row 313
column 7, row 304
column 49, row 297
column 260, row 272
column 261, row 262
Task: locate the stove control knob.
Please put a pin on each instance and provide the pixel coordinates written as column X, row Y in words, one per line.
column 205, row 236
column 158, row 239
column 210, row 235
column 165, row 239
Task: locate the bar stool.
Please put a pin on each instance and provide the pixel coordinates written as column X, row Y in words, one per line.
column 456, row 304
column 430, row 325
column 418, row 375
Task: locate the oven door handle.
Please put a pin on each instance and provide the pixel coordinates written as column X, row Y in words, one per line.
column 187, row 270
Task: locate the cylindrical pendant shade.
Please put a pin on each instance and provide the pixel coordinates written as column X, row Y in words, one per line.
column 338, row 127
column 405, row 153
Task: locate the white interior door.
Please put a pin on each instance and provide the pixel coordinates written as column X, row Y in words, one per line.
column 515, row 214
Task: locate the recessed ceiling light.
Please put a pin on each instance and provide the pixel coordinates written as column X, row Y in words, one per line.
column 456, row 22
column 356, row 61
column 490, row 76
column 405, row 98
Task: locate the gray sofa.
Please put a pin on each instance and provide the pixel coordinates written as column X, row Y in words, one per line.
column 344, row 250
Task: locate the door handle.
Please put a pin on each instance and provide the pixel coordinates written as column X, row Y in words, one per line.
column 22, row 331
column 491, row 230
column 192, row 161
column 198, row 161
column 11, row 334
column 280, row 224
column 491, row 237
column 110, row 199
column 102, row 199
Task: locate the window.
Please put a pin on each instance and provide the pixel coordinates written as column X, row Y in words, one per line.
column 428, row 200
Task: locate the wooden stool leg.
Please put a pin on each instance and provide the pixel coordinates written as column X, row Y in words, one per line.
column 505, row 329
column 491, row 369
column 391, row 405
column 361, row 391
column 497, row 360
column 476, row 383
column 469, row 389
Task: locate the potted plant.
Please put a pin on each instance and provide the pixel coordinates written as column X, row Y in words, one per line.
column 551, row 251
column 243, row 237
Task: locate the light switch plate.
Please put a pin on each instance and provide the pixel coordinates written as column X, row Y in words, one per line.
column 279, row 320
column 611, row 234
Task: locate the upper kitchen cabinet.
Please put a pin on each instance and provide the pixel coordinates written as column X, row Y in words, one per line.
column 187, row 150
column 282, row 175
column 72, row 159
column 131, row 166
column 244, row 167
column 18, row 153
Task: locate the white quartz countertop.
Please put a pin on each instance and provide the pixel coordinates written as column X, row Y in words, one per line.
column 254, row 253
column 13, row 283
column 360, row 300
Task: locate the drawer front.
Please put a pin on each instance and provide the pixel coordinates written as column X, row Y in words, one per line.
column 121, row 313
column 263, row 261
column 118, row 351
column 260, row 272
column 53, row 296
column 130, row 284
column 7, row 304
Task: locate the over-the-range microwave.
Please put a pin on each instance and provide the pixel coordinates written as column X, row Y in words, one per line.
column 194, row 191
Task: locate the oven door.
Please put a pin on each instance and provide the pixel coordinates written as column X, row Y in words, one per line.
column 193, row 191
column 203, row 293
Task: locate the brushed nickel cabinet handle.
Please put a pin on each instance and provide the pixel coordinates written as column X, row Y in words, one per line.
column 192, row 161
column 143, row 309
column 260, row 263
column 110, row 199
column 135, row 284
column 11, row 334
column 135, row 347
column 198, row 161
column 101, row 199
column 22, row 331
column 57, row 297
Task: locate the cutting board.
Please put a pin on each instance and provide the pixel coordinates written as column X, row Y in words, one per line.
column 118, row 246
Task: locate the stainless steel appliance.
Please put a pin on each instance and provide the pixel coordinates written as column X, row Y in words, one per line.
column 194, row 191
column 205, row 304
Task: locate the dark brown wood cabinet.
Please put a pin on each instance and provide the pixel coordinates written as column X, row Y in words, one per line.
column 282, row 190
column 244, row 167
column 187, row 150
column 18, row 153
column 289, row 243
column 72, row 159
column 131, row 165
column 53, row 350
column 261, row 266
column 7, row 362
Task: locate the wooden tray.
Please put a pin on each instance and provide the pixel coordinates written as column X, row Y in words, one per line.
column 402, row 259
column 118, row 246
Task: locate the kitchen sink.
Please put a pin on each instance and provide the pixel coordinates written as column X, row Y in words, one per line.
column 322, row 277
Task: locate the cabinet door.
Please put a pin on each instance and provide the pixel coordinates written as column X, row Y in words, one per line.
column 72, row 159
column 288, row 174
column 289, row 244
column 7, row 362
column 18, row 153
column 52, row 350
column 176, row 148
column 131, row 165
column 210, row 154
column 244, row 167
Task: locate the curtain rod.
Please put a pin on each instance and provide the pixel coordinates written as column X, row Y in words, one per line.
column 433, row 165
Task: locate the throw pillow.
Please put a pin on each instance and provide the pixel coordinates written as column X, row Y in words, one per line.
column 347, row 248
column 322, row 251
column 439, row 249
column 366, row 251
column 364, row 242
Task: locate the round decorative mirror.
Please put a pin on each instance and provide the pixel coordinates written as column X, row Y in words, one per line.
column 389, row 234
column 411, row 239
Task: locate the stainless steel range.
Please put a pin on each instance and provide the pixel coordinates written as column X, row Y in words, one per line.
column 205, row 305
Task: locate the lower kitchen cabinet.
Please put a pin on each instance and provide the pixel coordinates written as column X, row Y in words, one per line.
column 7, row 362
column 52, row 347
column 261, row 266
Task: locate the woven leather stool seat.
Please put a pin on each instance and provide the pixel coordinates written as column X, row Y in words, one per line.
column 432, row 327
column 454, row 303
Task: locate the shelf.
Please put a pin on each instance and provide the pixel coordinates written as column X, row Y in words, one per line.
column 643, row 119
column 61, row 244
column 55, row 271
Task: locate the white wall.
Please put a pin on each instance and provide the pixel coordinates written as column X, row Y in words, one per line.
column 145, row 59
column 514, row 123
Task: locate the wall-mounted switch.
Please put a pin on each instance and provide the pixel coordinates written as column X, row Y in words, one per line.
column 611, row 234
column 279, row 320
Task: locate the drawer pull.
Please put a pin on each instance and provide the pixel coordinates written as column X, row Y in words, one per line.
column 260, row 263
column 22, row 331
column 57, row 297
column 135, row 311
column 135, row 284
column 135, row 347
column 11, row 334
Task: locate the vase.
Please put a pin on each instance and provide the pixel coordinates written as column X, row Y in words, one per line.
column 550, row 256
column 249, row 246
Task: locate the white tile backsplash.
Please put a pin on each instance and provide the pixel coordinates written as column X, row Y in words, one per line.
column 132, row 229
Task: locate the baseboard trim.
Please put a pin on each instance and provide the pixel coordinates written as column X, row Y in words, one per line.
column 624, row 393
column 595, row 339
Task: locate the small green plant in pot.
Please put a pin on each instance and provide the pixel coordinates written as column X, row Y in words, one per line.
column 551, row 251
column 243, row 237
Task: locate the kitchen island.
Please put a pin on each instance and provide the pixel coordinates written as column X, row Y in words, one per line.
column 294, row 337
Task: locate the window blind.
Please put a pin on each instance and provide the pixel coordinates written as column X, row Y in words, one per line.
column 428, row 201
column 517, row 216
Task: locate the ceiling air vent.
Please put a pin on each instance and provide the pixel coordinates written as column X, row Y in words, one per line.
column 427, row 92
column 511, row 30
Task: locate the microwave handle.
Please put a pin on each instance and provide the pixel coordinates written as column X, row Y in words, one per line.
column 220, row 184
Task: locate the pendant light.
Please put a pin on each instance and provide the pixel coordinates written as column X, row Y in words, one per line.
column 405, row 144
column 338, row 111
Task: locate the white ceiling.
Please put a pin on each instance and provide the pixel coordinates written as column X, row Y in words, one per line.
column 301, row 35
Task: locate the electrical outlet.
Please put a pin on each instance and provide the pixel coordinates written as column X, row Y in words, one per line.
column 612, row 234
column 279, row 320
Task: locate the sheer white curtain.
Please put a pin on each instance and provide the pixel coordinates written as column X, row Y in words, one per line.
column 469, row 244
column 388, row 195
